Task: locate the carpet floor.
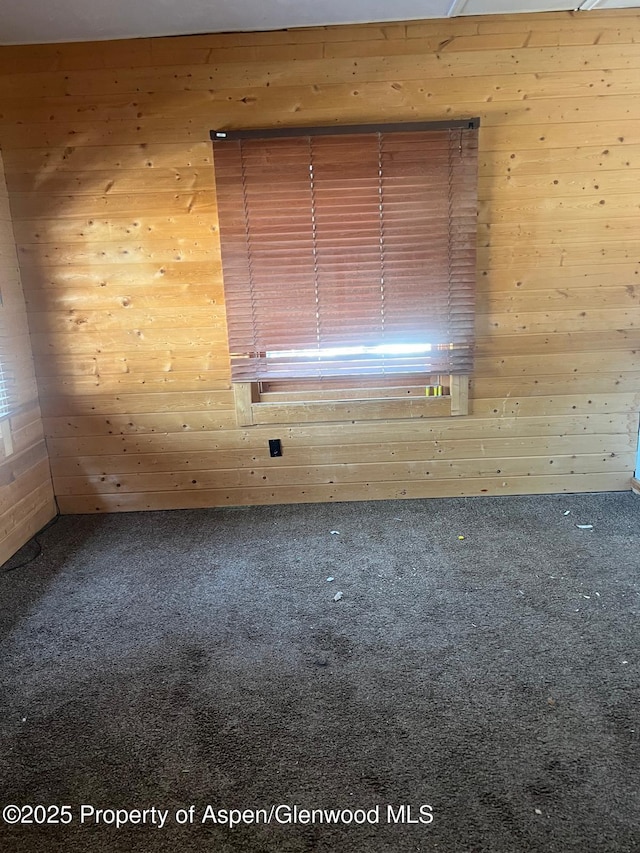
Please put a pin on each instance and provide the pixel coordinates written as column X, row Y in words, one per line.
column 187, row 681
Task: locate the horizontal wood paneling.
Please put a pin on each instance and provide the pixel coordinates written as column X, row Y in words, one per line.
column 359, row 474
column 353, row 435
column 26, row 492
column 111, row 181
column 372, row 451
column 344, row 492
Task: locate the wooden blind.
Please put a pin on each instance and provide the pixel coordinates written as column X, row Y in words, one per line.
column 349, row 254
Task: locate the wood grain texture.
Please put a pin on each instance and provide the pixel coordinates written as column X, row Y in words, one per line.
column 111, row 185
column 26, row 491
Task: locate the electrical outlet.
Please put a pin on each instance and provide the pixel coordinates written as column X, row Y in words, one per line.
column 275, row 447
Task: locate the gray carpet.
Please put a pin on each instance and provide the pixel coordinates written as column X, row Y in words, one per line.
column 199, row 658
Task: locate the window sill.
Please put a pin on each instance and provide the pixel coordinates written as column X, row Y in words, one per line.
column 254, row 408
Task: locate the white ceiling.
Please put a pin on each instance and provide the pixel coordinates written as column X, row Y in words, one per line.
column 42, row 21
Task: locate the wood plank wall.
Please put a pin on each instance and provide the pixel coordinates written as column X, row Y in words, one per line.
column 111, row 183
column 26, row 491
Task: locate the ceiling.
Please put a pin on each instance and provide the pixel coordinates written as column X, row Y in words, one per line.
column 46, row 21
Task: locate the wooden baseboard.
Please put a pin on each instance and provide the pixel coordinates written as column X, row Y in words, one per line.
column 635, row 485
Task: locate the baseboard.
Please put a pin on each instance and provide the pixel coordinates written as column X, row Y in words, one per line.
column 635, row 485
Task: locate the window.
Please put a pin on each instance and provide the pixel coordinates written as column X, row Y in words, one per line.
column 349, row 254
column 7, row 385
column 5, row 397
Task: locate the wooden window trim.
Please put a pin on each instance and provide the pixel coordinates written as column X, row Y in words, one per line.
column 254, row 408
